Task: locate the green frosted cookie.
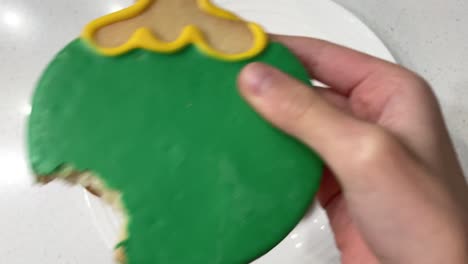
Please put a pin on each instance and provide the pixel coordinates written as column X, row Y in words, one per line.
column 165, row 135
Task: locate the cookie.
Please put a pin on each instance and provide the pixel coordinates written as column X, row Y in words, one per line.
column 143, row 110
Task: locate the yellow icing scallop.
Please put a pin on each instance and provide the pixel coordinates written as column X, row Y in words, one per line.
column 167, row 26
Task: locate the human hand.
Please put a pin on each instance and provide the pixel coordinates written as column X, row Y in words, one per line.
column 394, row 191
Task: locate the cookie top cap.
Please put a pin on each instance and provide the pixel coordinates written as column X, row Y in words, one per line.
column 166, row 26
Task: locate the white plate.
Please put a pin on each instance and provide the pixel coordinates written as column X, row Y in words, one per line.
column 57, row 223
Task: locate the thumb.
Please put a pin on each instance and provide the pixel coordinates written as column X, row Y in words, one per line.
column 301, row 112
column 297, row 109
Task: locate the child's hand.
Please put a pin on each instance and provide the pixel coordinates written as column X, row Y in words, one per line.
column 399, row 195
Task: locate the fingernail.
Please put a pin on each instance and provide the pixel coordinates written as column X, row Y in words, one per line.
column 255, row 78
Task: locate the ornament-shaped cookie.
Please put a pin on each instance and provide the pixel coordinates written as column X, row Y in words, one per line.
column 143, row 110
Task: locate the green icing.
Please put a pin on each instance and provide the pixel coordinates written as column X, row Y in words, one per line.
column 204, row 179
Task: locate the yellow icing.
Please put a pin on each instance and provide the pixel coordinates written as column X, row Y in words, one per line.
column 145, row 39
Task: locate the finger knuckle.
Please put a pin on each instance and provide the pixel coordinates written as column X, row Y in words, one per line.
column 374, row 147
column 411, row 81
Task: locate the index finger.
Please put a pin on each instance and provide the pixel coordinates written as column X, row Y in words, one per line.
column 337, row 66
